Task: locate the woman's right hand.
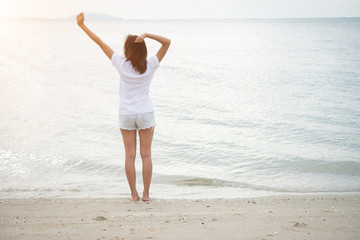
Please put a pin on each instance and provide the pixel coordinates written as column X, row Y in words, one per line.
column 140, row 38
column 165, row 42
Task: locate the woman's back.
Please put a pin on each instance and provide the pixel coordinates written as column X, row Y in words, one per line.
column 134, row 87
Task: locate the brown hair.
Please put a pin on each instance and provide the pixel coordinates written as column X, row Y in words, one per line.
column 136, row 53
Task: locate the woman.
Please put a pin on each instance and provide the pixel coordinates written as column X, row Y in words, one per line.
column 136, row 111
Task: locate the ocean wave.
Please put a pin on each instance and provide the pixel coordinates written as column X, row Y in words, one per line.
column 218, row 183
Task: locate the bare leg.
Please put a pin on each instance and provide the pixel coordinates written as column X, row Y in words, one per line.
column 129, row 139
column 146, row 136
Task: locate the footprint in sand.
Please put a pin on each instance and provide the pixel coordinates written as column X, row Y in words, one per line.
column 99, row 218
column 297, row 224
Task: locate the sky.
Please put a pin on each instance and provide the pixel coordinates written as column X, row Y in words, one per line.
column 183, row 9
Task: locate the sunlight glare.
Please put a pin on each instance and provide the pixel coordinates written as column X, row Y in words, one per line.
column 5, row 6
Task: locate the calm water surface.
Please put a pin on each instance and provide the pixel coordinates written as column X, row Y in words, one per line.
column 243, row 108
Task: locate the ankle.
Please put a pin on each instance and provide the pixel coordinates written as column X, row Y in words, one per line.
column 134, row 193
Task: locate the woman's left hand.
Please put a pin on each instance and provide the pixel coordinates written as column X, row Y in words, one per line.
column 80, row 19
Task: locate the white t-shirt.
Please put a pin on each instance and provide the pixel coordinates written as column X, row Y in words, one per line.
column 134, row 87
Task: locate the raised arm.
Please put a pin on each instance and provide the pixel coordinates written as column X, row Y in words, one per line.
column 163, row 40
column 106, row 49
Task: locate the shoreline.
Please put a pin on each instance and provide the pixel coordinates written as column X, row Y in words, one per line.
column 288, row 216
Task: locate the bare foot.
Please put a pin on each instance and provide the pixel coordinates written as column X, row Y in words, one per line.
column 145, row 197
column 135, row 197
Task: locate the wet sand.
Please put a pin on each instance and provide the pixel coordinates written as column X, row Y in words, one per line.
column 316, row 216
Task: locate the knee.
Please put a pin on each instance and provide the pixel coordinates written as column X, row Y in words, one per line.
column 146, row 156
column 130, row 157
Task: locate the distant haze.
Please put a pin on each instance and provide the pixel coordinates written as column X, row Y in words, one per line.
column 185, row 9
column 96, row 16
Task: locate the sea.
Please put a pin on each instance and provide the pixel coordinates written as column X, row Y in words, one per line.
column 244, row 108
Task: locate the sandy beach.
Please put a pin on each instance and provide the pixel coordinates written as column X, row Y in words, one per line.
column 335, row 216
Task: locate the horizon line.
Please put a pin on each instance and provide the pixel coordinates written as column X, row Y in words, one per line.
column 163, row 19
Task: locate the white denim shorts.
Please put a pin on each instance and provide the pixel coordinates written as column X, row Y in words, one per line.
column 137, row 121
